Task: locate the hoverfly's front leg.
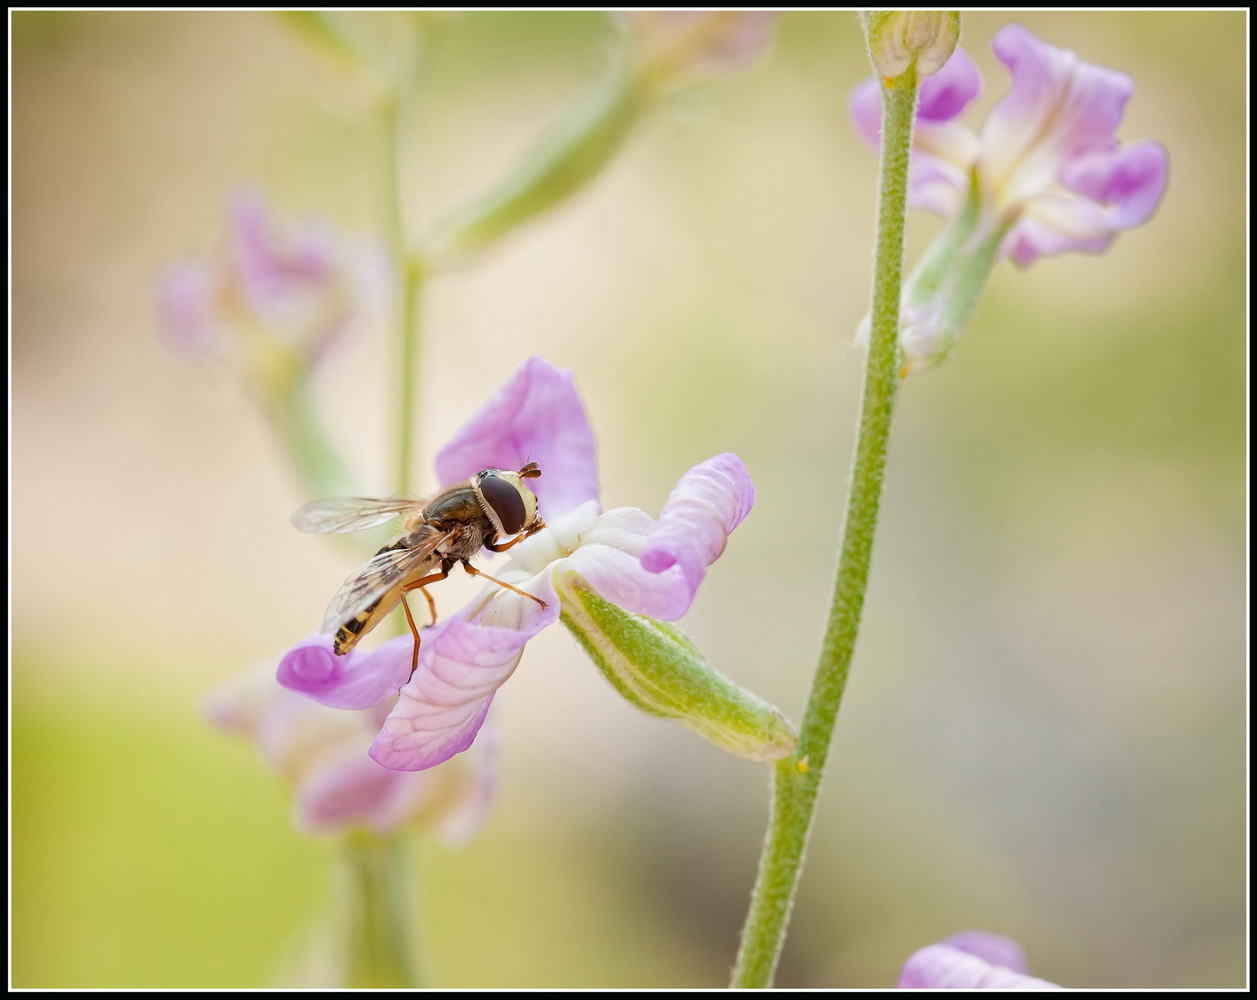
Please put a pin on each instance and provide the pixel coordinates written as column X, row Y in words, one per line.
column 410, row 620
column 502, row 583
column 528, row 532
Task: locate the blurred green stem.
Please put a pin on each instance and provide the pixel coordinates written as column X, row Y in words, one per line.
column 374, row 908
column 410, row 277
column 320, row 466
column 797, row 779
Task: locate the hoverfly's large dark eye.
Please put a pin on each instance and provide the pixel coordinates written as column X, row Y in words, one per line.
column 506, row 503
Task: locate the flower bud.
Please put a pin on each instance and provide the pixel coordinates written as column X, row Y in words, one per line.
column 898, row 38
column 656, row 667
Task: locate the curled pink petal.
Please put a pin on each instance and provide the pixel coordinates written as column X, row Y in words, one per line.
column 355, row 680
column 536, row 416
column 941, row 966
column 609, row 563
column 707, row 503
column 443, row 706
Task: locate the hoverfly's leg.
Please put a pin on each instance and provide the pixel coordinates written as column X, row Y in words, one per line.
column 528, row 532
column 410, row 620
column 475, row 572
column 419, row 585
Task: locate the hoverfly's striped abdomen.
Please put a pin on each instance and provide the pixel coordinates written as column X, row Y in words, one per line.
column 349, row 632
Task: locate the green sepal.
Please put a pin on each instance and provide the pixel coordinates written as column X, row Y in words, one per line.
column 656, row 667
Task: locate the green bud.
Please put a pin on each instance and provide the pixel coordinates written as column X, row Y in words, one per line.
column 656, row 667
column 898, row 38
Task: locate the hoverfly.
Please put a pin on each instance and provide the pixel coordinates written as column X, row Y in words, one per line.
column 448, row 528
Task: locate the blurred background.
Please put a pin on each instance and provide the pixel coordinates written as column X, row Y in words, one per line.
column 1044, row 734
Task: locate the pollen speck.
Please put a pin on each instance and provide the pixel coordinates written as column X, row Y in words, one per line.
column 801, row 764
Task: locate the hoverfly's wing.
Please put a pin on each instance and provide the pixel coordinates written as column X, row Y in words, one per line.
column 380, row 574
column 350, row 513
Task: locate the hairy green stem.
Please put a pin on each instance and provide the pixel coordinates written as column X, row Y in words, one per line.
column 797, row 779
column 375, row 912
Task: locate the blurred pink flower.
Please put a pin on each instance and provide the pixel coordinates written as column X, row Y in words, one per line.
column 1046, row 166
column 335, row 787
column 970, row 960
column 278, row 292
column 677, row 41
column 647, row 567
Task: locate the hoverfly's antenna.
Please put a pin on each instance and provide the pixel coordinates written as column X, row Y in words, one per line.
column 530, row 471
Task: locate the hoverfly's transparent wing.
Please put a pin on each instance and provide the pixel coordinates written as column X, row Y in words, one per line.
column 350, row 513
column 377, row 576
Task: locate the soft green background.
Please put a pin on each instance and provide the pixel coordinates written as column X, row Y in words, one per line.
column 1045, row 730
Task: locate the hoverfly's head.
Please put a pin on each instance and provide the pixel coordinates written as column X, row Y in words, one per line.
column 510, row 504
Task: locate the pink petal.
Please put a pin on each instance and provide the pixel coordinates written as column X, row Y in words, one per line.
column 941, row 966
column 1058, row 108
column 608, row 561
column 947, row 93
column 993, row 948
column 707, row 503
column 943, row 149
column 355, row 680
column 186, row 319
column 348, row 792
column 442, row 708
column 865, row 107
column 536, row 416
column 1129, row 181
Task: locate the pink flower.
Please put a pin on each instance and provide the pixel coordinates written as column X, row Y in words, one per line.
column 277, row 294
column 971, row 960
column 1049, row 172
column 639, row 568
column 336, row 788
column 673, row 41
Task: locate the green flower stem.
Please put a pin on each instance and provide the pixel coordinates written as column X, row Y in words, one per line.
column 376, row 883
column 319, row 465
column 797, row 779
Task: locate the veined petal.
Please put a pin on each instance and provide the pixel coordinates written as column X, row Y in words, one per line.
column 355, row 680
column 443, row 706
column 536, row 416
column 707, row 503
column 942, row 966
column 1058, row 108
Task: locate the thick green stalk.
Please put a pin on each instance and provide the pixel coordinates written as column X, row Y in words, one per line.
column 376, row 886
column 797, row 779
